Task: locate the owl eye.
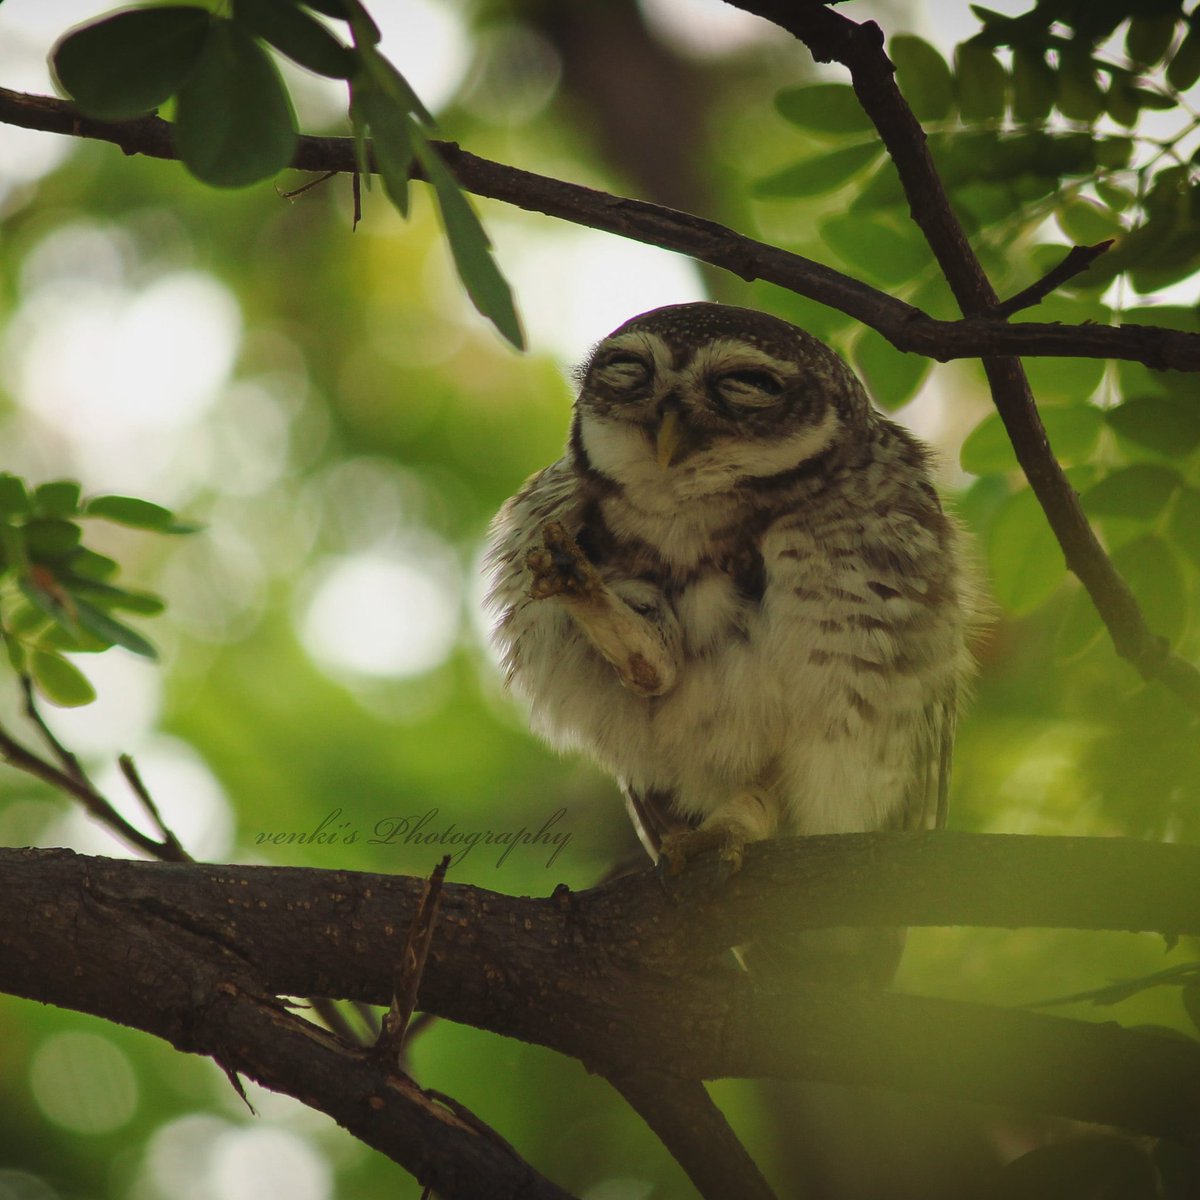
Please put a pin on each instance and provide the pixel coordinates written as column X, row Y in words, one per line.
column 750, row 387
column 625, row 372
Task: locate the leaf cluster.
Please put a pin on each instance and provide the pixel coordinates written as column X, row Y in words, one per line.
column 235, row 124
column 57, row 595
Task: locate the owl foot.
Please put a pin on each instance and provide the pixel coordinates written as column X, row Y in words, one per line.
column 559, row 567
column 680, row 847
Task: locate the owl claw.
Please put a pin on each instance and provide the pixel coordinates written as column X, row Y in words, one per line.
column 679, row 848
column 559, row 567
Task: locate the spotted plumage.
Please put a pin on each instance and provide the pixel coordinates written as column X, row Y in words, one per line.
column 737, row 590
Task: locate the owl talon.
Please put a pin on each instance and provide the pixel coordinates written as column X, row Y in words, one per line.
column 559, row 567
column 679, row 848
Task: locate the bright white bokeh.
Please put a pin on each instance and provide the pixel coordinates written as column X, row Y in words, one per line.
column 261, row 1163
column 129, row 700
column 706, row 28
column 576, row 285
column 386, row 613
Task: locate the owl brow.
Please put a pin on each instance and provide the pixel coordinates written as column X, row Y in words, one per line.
column 742, row 355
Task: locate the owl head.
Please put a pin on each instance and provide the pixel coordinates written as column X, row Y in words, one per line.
column 694, row 399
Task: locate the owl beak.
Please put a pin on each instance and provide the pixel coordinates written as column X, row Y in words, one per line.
column 666, row 441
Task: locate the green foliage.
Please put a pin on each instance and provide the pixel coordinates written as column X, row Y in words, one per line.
column 58, row 595
column 235, row 124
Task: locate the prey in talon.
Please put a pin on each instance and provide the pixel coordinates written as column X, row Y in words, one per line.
column 737, row 590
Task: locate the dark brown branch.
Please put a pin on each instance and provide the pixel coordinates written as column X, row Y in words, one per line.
column 1077, row 259
column 832, row 37
column 621, row 976
column 695, row 1131
column 906, row 327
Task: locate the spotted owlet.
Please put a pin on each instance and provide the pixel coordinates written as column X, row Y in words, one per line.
column 737, row 589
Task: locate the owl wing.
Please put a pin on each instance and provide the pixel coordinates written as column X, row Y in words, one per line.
column 926, row 802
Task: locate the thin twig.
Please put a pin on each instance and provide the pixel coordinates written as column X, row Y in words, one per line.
column 68, row 760
column 832, row 37
column 906, row 327
column 134, row 779
column 1077, row 260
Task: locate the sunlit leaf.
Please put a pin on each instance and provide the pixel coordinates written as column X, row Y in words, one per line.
column 892, row 377
column 90, row 564
column 1026, row 563
column 1168, row 425
column 391, row 142
column 141, row 514
column 1151, row 569
column 107, row 596
column 1184, row 525
column 923, row 76
column 980, row 81
column 127, row 64
column 828, row 108
column 291, row 30
column 1086, row 222
column 819, row 174
column 1073, row 430
column 60, row 681
column 392, row 83
column 890, row 253
column 488, row 289
column 234, row 120
column 1080, row 627
column 1142, row 490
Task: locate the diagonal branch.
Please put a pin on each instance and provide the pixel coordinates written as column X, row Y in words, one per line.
column 832, row 37
column 907, row 328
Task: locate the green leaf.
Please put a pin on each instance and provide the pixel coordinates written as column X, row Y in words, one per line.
column 60, row 681
column 88, row 563
column 1025, row 560
column 1033, row 85
column 331, row 8
column 1151, row 569
column 47, row 601
column 1079, row 95
column 824, row 108
column 890, row 253
column 1184, row 525
column 1184, row 68
column 1080, row 628
column 488, row 289
column 882, row 191
column 304, row 40
column 391, row 143
column 923, row 76
column 234, row 119
column 819, row 174
column 1149, row 37
column 981, row 82
column 129, row 510
column 1073, row 430
column 1117, row 198
column 14, row 499
column 57, row 499
column 127, row 64
column 50, row 537
column 105, row 595
column 391, row 83
column 16, row 655
column 1142, row 490
column 891, row 376
column 108, row 628
column 1085, row 222
column 1168, row 425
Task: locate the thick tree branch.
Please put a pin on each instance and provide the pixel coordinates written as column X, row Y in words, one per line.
column 832, row 37
column 622, row 977
column 906, row 327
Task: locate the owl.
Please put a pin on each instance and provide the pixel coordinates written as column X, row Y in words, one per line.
column 736, row 590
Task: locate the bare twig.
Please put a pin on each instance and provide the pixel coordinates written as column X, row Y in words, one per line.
column 907, row 328
column 134, row 779
column 695, row 1131
column 832, row 37
column 69, row 762
column 412, row 965
column 1077, row 259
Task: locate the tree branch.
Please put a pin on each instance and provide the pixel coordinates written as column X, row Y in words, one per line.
column 832, row 37
column 622, row 978
column 907, row 328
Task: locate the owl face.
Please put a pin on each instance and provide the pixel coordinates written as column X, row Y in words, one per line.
column 695, row 398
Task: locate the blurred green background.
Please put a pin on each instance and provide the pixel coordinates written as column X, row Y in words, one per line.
column 344, row 424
